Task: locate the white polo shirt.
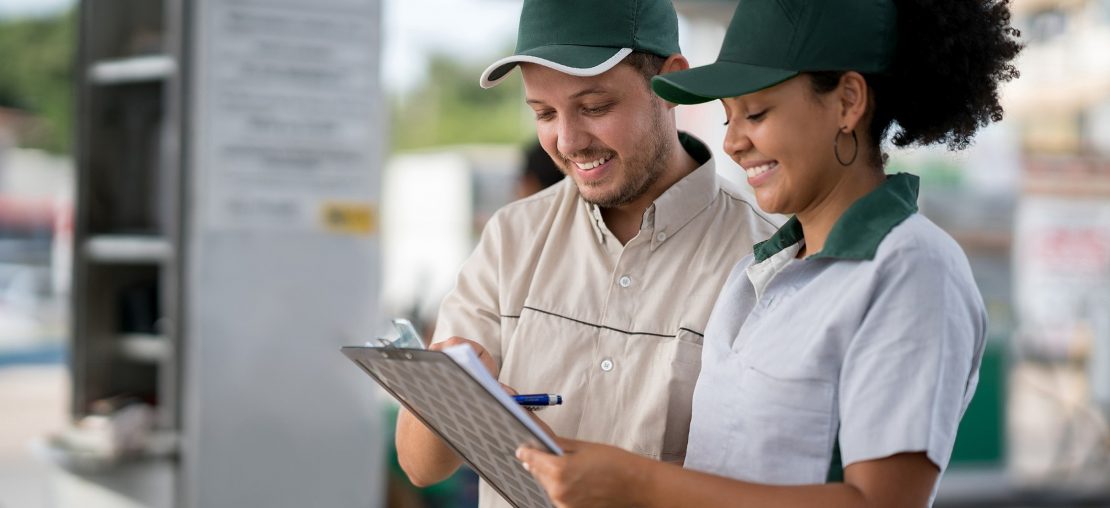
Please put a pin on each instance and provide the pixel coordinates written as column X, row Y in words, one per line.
column 876, row 339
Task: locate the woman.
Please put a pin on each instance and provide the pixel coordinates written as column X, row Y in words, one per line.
column 856, row 331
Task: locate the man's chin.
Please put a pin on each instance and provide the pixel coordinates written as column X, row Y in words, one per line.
column 604, row 200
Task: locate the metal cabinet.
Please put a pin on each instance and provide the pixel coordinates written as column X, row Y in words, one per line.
column 226, row 245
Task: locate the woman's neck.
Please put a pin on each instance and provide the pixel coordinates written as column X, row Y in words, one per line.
column 818, row 220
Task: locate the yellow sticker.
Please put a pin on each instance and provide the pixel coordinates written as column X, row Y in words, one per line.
column 350, row 218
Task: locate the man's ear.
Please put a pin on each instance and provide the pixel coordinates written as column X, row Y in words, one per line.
column 852, row 95
column 674, row 63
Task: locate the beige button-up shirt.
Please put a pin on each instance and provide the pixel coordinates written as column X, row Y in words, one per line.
column 615, row 329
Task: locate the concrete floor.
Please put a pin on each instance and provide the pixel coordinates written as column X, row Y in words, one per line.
column 33, row 402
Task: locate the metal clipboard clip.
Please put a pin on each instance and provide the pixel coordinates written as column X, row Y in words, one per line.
column 407, row 337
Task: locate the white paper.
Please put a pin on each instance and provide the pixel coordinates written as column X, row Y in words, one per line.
column 464, row 356
column 288, row 109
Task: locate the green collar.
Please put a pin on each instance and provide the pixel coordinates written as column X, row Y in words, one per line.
column 858, row 233
column 695, row 147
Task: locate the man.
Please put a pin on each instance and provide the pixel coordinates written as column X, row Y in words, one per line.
column 599, row 287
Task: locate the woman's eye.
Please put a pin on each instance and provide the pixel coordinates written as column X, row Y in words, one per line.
column 755, row 117
column 544, row 115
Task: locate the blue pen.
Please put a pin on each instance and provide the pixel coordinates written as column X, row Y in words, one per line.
column 538, row 400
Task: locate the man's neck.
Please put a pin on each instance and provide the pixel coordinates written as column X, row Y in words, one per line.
column 624, row 221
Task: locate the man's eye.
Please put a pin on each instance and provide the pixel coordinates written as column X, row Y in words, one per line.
column 755, row 117
column 544, row 115
column 597, row 110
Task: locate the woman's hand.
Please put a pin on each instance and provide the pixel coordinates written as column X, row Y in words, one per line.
column 589, row 474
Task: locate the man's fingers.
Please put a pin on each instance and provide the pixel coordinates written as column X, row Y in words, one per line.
column 508, row 389
column 452, row 341
column 483, row 355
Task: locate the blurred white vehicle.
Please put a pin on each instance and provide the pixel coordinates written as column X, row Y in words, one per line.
column 28, row 308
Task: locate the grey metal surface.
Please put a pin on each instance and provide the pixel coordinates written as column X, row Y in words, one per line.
column 273, row 414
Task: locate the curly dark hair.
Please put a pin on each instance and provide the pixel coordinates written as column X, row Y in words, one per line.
column 943, row 82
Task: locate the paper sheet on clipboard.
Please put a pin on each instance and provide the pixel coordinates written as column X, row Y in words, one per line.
column 454, row 395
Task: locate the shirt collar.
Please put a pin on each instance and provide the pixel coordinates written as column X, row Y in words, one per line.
column 678, row 205
column 858, row 233
column 684, row 200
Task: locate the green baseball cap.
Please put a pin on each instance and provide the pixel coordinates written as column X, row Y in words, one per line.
column 770, row 41
column 588, row 37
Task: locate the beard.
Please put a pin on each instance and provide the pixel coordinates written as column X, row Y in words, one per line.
column 639, row 173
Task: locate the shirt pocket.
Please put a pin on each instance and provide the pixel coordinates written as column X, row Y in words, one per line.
column 787, row 427
column 684, row 365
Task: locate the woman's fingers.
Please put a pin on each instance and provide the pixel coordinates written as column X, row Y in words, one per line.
column 537, row 462
column 568, row 445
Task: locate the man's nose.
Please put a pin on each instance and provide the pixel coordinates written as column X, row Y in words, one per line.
column 573, row 137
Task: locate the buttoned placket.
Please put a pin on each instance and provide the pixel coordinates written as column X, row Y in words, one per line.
column 765, row 278
column 624, row 290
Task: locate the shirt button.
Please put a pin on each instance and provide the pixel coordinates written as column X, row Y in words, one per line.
column 625, row 281
column 607, row 365
column 661, row 236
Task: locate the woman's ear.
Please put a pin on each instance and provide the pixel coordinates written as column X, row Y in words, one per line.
column 852, row 94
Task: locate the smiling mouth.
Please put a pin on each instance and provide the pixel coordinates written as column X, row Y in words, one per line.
column 755, row 171
column 586, row 166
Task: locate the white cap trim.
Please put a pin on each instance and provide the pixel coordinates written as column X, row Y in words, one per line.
column 485, row 82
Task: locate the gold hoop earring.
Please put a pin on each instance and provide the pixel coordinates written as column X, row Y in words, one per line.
column 836, row 148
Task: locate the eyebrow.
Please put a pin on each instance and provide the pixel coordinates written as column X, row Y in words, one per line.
column 576, row 95
column 589, row 91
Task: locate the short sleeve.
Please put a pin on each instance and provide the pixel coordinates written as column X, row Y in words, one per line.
column 912, row 366
column 472, row 309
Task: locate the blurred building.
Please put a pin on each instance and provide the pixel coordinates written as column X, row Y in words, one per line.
column 435, row 203
column 1059, row 404
column 36, row 190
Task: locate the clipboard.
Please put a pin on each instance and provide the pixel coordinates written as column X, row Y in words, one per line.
column 454, row 396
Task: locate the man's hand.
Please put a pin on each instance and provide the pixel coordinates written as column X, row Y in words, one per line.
column 483, row 355
column 423, row 456
column 535, row 418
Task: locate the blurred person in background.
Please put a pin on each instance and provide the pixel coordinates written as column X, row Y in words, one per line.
column 538, row 173
column 598, row 288
column 853, row 335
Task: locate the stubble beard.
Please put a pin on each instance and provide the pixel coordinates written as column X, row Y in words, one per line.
column 640, row 173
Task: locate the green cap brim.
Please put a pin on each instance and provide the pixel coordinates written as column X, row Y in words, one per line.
column 718, row 80
column 573, row 60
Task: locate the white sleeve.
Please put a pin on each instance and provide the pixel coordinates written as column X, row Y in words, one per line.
column 913, row 363
column 472, row 309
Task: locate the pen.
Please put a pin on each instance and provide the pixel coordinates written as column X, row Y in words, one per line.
column 538, row 399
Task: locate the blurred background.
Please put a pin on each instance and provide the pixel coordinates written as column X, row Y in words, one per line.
column 201, row 201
